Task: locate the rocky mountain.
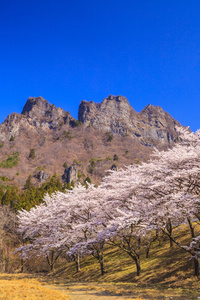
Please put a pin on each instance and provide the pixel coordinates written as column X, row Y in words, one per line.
column 44, row 139
column 152, row 126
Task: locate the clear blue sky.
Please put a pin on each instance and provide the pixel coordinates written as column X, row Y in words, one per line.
column 72, row 50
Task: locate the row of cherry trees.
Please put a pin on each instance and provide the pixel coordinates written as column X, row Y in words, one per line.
column 130, row 208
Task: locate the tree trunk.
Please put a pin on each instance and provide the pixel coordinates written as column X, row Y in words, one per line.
column 52, row 257
column 196, row 267
column 191, row 228
column 137, row 262
column 77, row 260
column 147, row 252
column 169, row 229
column 22, row 265
column 101, row 261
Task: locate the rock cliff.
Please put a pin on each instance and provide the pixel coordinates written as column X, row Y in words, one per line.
column 41, row 114
column 152, row 126
column 38, row 115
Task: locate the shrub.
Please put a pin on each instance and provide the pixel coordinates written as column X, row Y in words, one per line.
column 11, row 161
column 114, row 166
column 109, row 136
column 108, row 158
column 75, row 123
column 115, row 157
column 65, row 165
column 67, row 134
column 40, row 168
column 90, row 169
column 12, row 138
column 77, row 162
column 79, row 175
column 72, row 184
column 92, row 162
column 1, row 145
column 87, row 180
column 32, row 153
column 4, row 178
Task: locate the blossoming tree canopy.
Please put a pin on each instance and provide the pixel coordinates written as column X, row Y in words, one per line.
column 128, row 209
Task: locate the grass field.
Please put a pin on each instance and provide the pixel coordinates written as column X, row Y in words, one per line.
column 17, row 287
column 166, row 274
column 24, row 286
column 165, row 266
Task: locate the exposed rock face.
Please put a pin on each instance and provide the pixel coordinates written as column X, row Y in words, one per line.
column 42, row 176
column 41, row 114
column 113, row 167
column 158, row 125
column 71, row 174
column 38, row 115
column 110, row 115
column 152, row 125
column 14, row 125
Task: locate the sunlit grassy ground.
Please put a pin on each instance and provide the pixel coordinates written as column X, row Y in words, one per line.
column 166, row 274
column 165, row 266
column 16, row 287
column 25, row 287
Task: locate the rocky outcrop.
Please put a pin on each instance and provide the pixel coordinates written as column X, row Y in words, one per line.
column 151, row 126
column 41, row 114
column 42, row 176
column 37, row 115
column 71, row 175
column 110, row 115
column 14, row 125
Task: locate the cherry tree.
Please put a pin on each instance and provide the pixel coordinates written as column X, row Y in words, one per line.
column 161, row 195
column 64, row 224
column 36, row 226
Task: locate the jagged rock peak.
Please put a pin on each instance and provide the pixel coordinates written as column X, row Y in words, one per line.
column 40, row 107
column 40, row 113
column 112, row 107
column 32, row 102
column 149, row 109
column 117, row 98
column 152, row 125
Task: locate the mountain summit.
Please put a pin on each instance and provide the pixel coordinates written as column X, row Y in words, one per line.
column 152, row 125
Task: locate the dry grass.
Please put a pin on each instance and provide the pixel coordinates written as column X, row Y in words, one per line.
column 16, row 287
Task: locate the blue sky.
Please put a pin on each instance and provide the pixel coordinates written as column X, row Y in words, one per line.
column 68, row 51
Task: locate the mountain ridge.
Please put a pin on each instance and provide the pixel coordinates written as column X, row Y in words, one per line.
column 106, row 135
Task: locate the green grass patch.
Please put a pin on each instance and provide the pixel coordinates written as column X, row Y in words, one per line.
column 40, row 168
column 4, row 178
column 6, row 187
column 11, row 161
